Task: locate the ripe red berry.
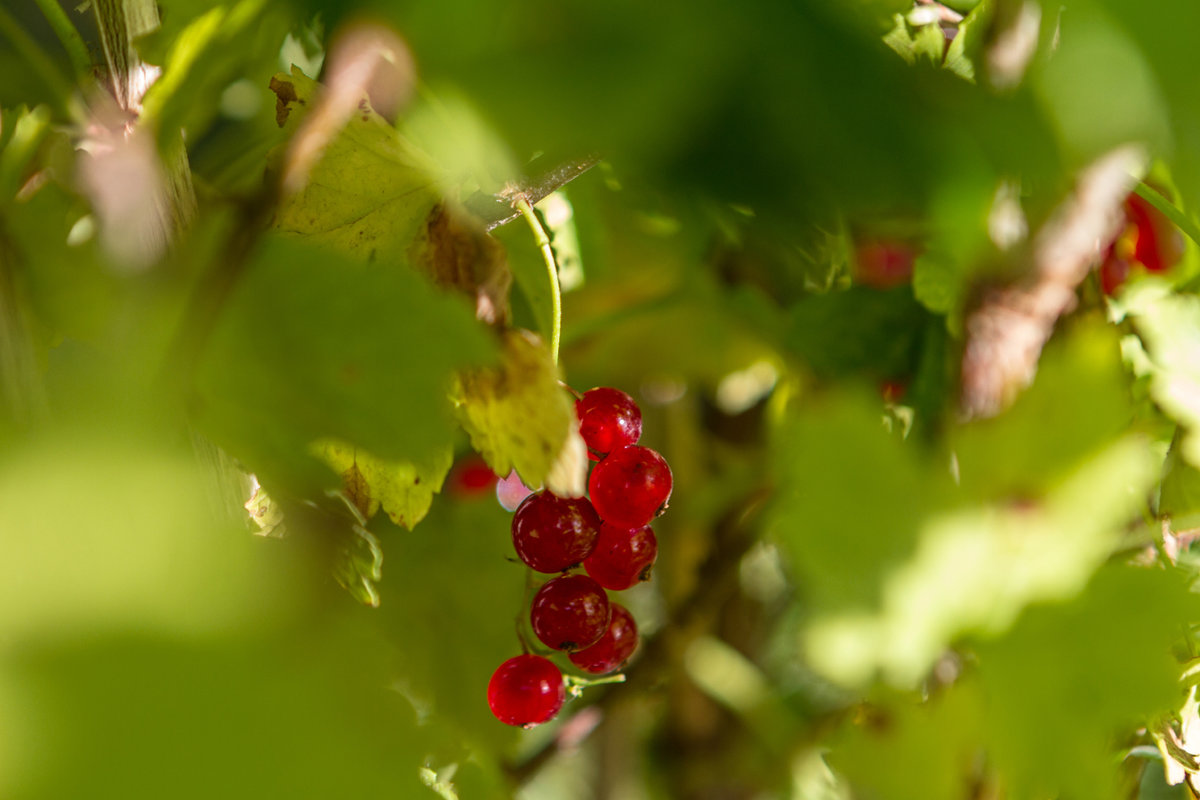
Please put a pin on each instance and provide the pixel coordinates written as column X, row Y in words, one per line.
column 622, row 557
column 570, row 612
column 608, row 419
column 552, row 533
column 630, row 486
column 614, row 648
column 526, row 690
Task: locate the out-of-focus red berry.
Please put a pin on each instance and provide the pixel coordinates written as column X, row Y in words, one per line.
column 893, row 390
column 471, row 478
column 883, row 263
column 1148, row 240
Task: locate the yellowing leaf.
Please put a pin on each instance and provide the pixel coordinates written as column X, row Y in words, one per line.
column 403, row 489
column 367, row 190
column 519, row 417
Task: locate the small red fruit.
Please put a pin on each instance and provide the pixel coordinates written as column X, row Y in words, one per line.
column 526, row 690
column 471, row 478
column 569, row 613
column 1149, row 238
column 622, row 557
column 883, row 263
column 552, row 533
column 608, row 419
column 614, row 648
column 630, row 487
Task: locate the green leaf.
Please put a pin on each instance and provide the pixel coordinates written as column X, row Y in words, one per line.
column 1103, row 663
column 202, row 59
column 1078, row 404
column 974, row 570
column 1099, row 87
column 19, row 141
column 1169, row 324
column 964, row 50
column 519, row 416
column 924, row 43
column 851, row 501
column 302, row 713
column 859, row 330
column 896, row 569
column 314, row 345
column 1179, row 495
column 111, row 529
column 905, row 750
column 404, row 489
column 375, row 195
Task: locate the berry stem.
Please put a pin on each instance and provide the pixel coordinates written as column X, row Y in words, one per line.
column 1177, row 217
column 543, row 241
column 576, row 685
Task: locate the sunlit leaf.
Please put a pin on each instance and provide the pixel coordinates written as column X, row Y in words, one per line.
column 1102, row 662
column 314, row 345
column 1169, row 324
column 404, row 489
column 519, row 416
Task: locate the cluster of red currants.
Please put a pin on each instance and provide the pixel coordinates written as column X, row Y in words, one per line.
column 609, row 535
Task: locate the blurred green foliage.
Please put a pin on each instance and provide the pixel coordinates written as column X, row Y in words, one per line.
column 859, row 594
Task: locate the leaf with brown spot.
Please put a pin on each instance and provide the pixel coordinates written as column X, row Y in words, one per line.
column 403, row 490
column 519, row 417
column 374, row 194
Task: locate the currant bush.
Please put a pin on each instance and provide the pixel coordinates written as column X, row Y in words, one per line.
column 569, row 613
column 526, row 690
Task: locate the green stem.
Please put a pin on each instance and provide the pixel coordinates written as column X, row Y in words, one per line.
column 543, row 241
column 67, row 34
column 1180, row 220
column 36, row 58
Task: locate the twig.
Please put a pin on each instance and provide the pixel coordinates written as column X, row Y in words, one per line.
column 1006, row 333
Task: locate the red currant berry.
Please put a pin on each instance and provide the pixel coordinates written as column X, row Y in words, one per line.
column 622, row 557
column 883, row 264
column 471, row 478
column 630, row 486
column 608, row 419
column 1157, row 243
column 552, row 533
column 614, row 648
column 526, row 690
column 569, row 612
